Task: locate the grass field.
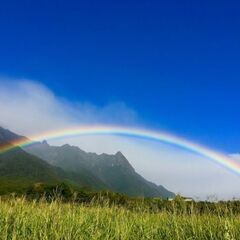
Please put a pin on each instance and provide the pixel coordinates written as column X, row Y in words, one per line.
column 21, row 219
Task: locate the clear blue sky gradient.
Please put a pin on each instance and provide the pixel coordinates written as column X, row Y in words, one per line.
column 177, row 63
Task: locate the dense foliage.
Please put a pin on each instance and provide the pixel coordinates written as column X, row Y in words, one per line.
column 66, row 194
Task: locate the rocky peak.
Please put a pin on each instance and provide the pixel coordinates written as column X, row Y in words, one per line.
column 121, row 160
column 45, row 143
column 119, row 154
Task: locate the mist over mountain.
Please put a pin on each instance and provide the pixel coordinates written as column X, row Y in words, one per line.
column 71, row 164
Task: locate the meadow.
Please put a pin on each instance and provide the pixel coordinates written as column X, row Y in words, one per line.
column 22, row 219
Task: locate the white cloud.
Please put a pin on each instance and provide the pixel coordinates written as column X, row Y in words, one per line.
column 28, row 107
column 236, row 156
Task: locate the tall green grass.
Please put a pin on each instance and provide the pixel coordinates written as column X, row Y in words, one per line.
column 22, row 219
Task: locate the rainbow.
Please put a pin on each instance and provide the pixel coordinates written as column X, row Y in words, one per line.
column 217, row 157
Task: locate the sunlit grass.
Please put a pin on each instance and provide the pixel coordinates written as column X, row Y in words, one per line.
column 22, row 219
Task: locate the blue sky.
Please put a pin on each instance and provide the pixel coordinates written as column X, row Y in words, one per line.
column 176, row 63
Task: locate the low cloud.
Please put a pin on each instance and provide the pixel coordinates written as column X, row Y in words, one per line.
column 29, row 107
column 177, row 169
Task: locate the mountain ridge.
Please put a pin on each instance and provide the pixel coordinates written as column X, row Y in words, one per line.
column 103, row 171
column 113, row 169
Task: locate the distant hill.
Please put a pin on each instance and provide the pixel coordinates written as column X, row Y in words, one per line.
column 41, row 162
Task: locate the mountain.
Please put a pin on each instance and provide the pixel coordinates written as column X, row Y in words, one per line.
column 113, row 170
column 41, row 162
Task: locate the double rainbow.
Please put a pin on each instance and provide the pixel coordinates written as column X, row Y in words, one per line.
column 217, row 157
